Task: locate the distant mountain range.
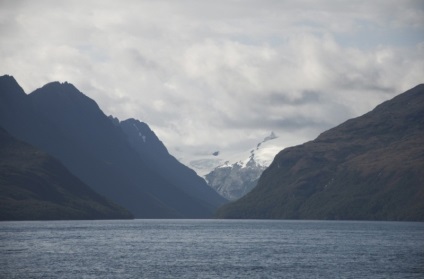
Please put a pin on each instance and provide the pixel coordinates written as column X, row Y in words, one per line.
column 107, row 155
column 36, row 186
column 240, row 172
column 368, row 168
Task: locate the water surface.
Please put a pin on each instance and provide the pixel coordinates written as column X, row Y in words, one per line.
column 211, row 249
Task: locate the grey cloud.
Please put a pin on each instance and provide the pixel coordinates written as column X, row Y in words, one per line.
column 215, row 74
column 306, row 97
column 288, row 125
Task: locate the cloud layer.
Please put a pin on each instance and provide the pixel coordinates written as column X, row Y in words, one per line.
column 214, row 75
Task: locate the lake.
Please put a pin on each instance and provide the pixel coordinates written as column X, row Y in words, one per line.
column 211, row 249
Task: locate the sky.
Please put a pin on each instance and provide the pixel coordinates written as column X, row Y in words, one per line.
column 220, row 75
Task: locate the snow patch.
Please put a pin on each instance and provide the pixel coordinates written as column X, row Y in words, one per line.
column 261, row 154
column 143, row 137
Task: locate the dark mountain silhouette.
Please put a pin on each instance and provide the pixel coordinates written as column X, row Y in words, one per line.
column 35, row 186
column 368, row 168
column 62, row 121
column 152, row 150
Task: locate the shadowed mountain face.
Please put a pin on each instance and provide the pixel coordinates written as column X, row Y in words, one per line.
column 35, row 186
column 62, row 121
column 368, row 168
column 152, row 150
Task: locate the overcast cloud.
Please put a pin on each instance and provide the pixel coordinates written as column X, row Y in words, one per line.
column 213, row 75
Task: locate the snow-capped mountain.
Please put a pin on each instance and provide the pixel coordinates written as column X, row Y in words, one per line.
column 239, row 173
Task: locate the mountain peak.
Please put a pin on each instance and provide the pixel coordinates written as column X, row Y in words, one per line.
column 63, row 96
column 4, row 78
column 9, row 86
column 138, row 123
column 59, row 89
column 141, row 132
column 237, row 176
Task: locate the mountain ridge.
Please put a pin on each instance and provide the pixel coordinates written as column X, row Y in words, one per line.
column 62, row 121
